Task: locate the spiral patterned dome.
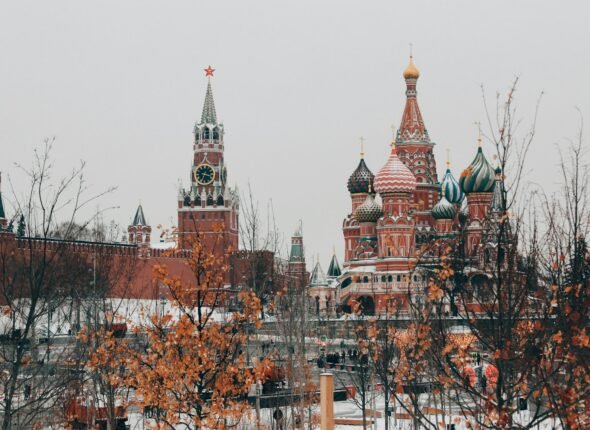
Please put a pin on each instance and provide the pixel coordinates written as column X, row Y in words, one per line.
column 479, row 176
column 361, row 179
column 395, row 177
column 450, row 188
column 369, row 211
column 443, row 209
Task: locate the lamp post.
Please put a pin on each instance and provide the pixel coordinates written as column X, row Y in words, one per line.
column 258, row 394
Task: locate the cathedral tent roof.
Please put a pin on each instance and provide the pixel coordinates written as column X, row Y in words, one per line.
column 412, row 128
column 318, row 277
column 139, row 218
column 334, row 269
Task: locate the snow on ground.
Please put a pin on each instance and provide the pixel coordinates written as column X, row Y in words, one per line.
column 350, row 410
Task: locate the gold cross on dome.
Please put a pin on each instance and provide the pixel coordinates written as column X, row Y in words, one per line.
column 362, row 147
column 478, row 124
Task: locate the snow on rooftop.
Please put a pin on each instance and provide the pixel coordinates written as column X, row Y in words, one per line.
column 163, row 245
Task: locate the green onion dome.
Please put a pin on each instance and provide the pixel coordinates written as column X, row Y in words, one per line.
column 450, row 188
column 479, row 176
column 361, row 179
column 369, row 211
column 443, row 209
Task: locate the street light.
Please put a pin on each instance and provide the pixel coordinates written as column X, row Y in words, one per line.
column 258, row 394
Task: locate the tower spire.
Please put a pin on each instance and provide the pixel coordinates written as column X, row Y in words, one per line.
column 412, row 127
column 139, row 218
column 209, row 116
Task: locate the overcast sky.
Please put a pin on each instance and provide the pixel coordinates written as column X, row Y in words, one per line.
column 120, row 85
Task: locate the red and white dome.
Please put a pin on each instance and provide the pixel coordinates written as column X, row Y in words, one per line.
column 394, row 177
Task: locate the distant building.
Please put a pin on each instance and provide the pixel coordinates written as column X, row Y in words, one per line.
column 208, row 208
column 208, row 205
column 385, row 242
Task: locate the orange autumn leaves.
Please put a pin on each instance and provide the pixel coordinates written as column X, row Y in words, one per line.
column 189, row 364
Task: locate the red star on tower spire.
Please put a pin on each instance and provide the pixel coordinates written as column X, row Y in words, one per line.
column 209, row 71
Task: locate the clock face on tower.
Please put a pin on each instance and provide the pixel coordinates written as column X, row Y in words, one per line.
column 204, row 174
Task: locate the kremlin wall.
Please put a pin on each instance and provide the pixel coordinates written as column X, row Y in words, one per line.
column 396, row 215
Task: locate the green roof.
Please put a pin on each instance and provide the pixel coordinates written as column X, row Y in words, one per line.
column 139, row 218
column 209, row 116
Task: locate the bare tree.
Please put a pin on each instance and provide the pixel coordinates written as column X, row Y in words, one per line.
column 260, row 242
column 565, row 262
column 293, row 326
column 37, row 275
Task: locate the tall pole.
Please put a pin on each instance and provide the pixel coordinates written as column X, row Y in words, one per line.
column 258, row 394
column 374, row 403
column 326, row 401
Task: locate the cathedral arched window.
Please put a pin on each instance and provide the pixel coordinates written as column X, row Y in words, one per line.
column 383, row 278
column 209, row 200
column 365, row 279
column 205, row 132
column 482, row 287
column 390, row 278
column 220, row 200
column 187, row 200
column 198, row 201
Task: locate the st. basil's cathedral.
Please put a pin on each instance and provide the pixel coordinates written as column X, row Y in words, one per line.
column 394, row 215
column 400, row 210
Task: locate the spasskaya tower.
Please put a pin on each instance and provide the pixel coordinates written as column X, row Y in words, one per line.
column 209, row 204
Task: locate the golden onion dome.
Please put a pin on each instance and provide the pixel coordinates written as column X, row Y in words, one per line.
column 411, row 72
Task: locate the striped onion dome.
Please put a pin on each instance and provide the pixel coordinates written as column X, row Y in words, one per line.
column 395, row 177
column 479, row 176
column 369, row 211
column 361, row 179
column 450, row 188
column 443, row 209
